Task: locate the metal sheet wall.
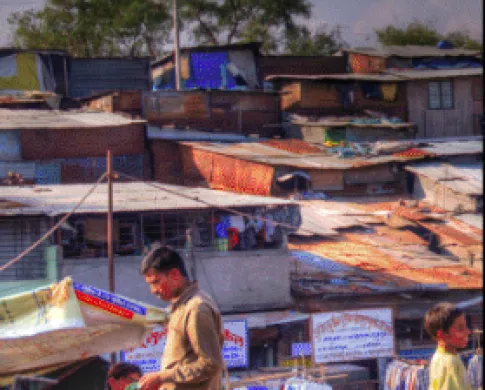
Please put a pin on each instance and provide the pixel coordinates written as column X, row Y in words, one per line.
column 93, row 75
column 73, row 170
column 10, row 146
column 86, row 170
column 47, row 172
column 49, row 145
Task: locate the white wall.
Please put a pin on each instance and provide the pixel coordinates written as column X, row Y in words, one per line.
column 239, row 281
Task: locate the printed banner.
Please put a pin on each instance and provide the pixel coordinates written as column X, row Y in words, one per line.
column 352, row 335
column 236, row 344
column 150, row 354
column 67, row 321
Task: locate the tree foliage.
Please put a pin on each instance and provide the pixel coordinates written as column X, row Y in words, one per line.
column 419, row 33
column 216, row 22
column 303, row 42
column 88, row 28
column 416, row 33
column 463, row 39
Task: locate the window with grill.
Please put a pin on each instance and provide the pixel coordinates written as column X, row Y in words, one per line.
column 17, row 235
column 440, row 95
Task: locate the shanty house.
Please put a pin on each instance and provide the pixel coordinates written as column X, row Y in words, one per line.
column 340, row 94
column 444, row 85
column 33, row 70
column 51, row 147
column 231, row 256
column 240, row 112
column 444, row 102
column 393, row 252
column 227, row 67
column 281, row 167
column 453, row 187
column 372, row 60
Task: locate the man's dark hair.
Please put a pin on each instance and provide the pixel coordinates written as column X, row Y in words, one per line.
column 163, row 259
column 121, row 370
column 441, row 317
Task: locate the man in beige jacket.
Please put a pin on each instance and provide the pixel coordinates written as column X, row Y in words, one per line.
column 192, row 358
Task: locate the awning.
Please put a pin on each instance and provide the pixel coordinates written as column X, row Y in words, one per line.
column 67, row 322
column 268, row 318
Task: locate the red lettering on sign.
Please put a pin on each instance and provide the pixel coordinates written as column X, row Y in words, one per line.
column 109, row 307
column 238, row 340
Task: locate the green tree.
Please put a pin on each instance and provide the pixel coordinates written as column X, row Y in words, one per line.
column 88, row 28
column 416, row 33
column 216, row 22
column 303, row 42
column 419, row 33
column 463, row 39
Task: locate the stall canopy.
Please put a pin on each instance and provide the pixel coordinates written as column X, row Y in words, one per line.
column 65, row 322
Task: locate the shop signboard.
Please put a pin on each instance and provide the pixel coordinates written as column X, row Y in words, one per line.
column 352, row 335
column 150, row 354
column 236, row 344
column 301, row 349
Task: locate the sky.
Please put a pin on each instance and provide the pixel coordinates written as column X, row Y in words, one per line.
column 356, row 18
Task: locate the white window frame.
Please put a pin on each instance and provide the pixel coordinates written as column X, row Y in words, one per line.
column 440, row 85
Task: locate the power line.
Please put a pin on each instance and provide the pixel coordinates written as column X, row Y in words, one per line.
column 228, row 209
column 54, row 228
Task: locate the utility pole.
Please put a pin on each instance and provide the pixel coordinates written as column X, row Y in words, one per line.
column 111, row 265
column 177, row 45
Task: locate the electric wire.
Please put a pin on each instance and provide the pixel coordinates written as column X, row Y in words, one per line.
column 53, row 229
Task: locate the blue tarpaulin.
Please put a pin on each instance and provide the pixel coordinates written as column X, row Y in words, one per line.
column 446, row 63
column 208, row 70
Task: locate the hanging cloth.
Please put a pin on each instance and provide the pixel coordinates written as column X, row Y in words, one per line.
column 474, row 371
column 389, row 92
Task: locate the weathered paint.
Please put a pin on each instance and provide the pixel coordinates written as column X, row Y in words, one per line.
column 458, row 121
column 10, row 146
column 78, row 143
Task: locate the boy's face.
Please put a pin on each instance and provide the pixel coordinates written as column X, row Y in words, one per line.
column 457, row 335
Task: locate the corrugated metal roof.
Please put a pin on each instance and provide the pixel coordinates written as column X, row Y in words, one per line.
column 475, row 220
column 88, row 76
column 55, row 200
column 454, row 148
column 52, row 119
column 402, row 265
column 324, row 217
column 265, row 154
column 424, row 74
column 268, row 318
column 461, row 178
column 385, row 78
column 384, row 124
column 154, row 132
column 399, row 255
column 412, row 51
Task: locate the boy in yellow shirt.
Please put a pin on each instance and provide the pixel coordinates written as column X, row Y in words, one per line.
column 446, row 324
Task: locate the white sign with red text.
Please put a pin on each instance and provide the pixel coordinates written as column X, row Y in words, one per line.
column 236, row 344
column 149, row 355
